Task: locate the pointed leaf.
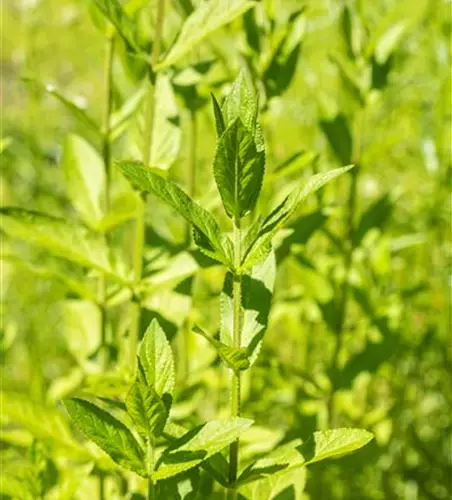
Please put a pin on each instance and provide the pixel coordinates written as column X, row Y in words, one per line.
column 63, row 238
column 146, row 180
column 219, row 118
column 257, row 290
column 375, row 216
column 76, row 111
column 254, row 247
column 124, row 25
column 198, row 445
column 203, row 21
column 108, row 433
column 236, row 359
column 84, row 173
column 333, row 443
column 338, row 133
column 156, row 358
column 167, row 135
column 239, row 170
column 145, row 407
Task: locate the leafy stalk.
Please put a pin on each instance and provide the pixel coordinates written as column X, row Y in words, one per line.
column 237, row 333
column 106, row 155
column 350, row 236
column 140, row 221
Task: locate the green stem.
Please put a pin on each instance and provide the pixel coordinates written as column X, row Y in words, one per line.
column 237, row 333
column 106, row 155
column 140, row 221
column 150, row 463
column 350, row 248
column 101, row 486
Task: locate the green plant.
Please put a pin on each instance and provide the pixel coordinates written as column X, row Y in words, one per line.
column 238, row 167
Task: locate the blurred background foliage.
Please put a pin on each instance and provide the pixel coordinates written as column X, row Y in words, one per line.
column 374, row 353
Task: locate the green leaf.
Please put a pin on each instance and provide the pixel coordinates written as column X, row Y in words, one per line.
column 219, row 118
column 63, row 238
column 148, row 181
column 282, row 459
column 122, row 116
column 333, row 443
column 257, row 290
column 375, row 216
column 108, row 433
column 76, row 111
column 167, row 135
column 198, row 445
column 280, row 71
column 203, row 21
column 259, row 236
column 145, row 406
column 84, row 174
column 338, row 133
column 157, row 361
column 236, row 359
column 389, row 40
column 124, row 25
column 80, row 325
column 239, row 170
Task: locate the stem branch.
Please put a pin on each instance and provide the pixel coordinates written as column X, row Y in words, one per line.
column 235, row 383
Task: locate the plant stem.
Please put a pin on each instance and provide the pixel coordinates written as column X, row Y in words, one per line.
column 150, row 460
column 140, row 220
column 101, row 485
column 350, row 248
column 106, row 154
column 237, row 333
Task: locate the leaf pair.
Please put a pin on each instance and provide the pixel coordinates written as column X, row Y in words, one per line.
column 239, row 163
column 148, row 403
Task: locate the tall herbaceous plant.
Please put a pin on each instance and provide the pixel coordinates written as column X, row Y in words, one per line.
column 145, row 447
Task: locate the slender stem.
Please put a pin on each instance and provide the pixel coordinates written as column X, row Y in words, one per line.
column 106, row 154
column 237, row 332
column 150, row 462
column 102, row 486
column 151, row 94
column 192, row 159
column 140, row 221
column 350, row 248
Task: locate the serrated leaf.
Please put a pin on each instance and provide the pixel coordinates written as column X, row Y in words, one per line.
column 235, row 358
column 148, row 181
column 239, row 170
column 124, row 25
column 145, row 407
column 257, row 290
column 156, row 358
column 84, row 174
column 111, row 435
column 203, row 21
column 63, row 238
column 283, row 458
column 268, row 227
column 333, row 443
column 76, row 111
column 198, row 445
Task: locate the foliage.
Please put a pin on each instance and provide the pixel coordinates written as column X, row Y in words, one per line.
column 224, row 250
